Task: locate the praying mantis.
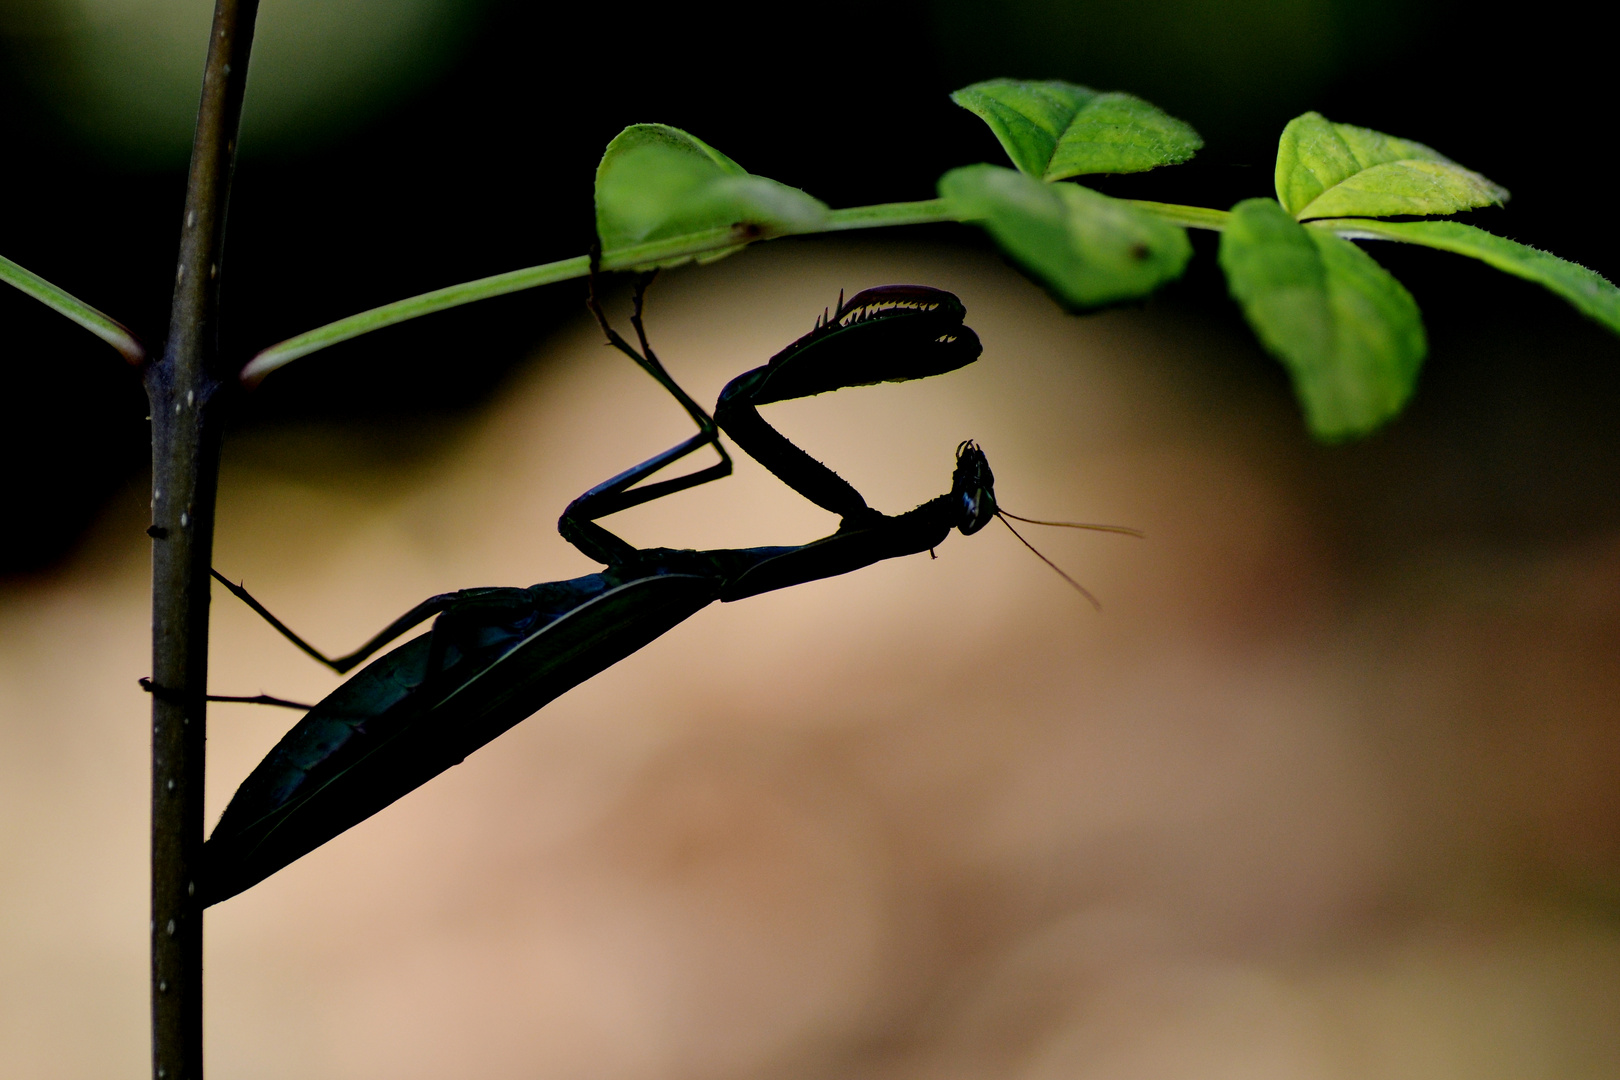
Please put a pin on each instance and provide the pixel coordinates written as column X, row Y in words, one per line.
column 495, row 656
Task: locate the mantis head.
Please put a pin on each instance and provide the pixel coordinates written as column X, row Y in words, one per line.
column 973, row 495
column 973, row 488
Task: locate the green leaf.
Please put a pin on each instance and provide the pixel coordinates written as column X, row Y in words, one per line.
column 1348, row 332
column 1087, row 249
column 1592, row 294
column 657, row 182
column 1053, row 130
column 1336, row 170
column 103, row 326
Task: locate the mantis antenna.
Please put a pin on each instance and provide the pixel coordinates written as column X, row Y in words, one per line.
column 1124, row 530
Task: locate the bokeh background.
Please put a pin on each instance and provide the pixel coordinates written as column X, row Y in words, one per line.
column 1327, row 790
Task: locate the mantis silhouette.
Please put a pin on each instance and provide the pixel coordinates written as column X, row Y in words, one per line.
column 495, row 656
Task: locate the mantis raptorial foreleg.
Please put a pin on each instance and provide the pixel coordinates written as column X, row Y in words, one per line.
column 889, row 334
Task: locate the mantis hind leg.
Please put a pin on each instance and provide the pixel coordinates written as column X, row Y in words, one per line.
column 257, row 699
column 262, row 699
column 452, row 612
column 419, row 614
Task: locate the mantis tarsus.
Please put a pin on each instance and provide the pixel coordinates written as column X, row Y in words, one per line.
column 495, row 656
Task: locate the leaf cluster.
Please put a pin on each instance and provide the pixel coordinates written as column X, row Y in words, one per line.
column 1349, row 334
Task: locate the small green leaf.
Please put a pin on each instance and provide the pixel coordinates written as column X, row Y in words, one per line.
column 657, row 182
column 1087, row 249
column 1336, row 170
column 1053, row 130
column 1348, row 332
column 1592, row 294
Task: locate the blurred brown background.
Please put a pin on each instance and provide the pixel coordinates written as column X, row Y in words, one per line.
column 1327, row 790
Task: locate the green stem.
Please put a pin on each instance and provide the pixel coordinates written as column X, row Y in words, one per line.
column 1203, row 217
column 104, row 327
column 1191, row 217
column 925, row 212
column 412, row 308
column 676, row 249
column 1366, row 229
column 689, row 246
column 683, row 248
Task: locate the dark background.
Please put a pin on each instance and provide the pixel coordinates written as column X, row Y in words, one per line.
column 488, row 167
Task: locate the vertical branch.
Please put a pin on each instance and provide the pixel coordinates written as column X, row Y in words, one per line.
column 183, row 388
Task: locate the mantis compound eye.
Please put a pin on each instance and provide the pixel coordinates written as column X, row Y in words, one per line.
column 974, row 488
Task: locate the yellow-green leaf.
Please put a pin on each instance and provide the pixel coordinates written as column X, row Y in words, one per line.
column 1087, row 249
column 1053, row 129
column 1338, row 170
column 1349, row 334
column 657, row 182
